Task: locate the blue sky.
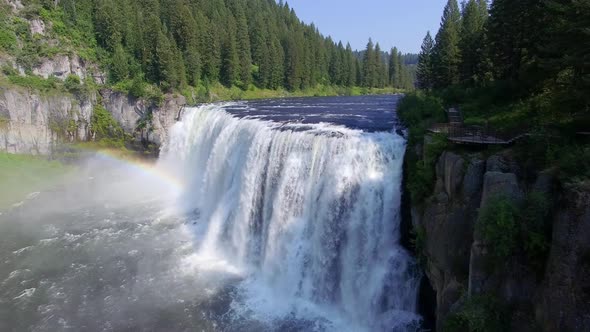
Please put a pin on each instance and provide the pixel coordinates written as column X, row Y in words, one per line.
column 401, row 23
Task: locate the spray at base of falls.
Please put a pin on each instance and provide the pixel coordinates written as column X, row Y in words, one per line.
column 308, row 215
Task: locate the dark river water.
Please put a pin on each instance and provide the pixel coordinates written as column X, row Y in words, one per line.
column 278, row 215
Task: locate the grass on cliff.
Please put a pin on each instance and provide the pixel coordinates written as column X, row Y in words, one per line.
column 512, row 228
column 480, row 313
column 21, row 175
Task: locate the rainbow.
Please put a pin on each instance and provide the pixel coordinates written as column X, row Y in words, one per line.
column 141, row 166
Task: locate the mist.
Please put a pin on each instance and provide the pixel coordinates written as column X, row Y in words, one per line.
column 251, row 223
column 103, row 250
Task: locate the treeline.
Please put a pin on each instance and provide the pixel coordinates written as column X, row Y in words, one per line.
column 530, row 54
column 175, row 43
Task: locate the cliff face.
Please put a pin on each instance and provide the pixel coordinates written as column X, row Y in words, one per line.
column 36, row 122
column 147, row 122
column 459, row 263
column 33, row 122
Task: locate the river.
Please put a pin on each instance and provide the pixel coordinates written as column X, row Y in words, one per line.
column 273, row 215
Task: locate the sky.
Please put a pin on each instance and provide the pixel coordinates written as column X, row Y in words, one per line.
column 401, row 23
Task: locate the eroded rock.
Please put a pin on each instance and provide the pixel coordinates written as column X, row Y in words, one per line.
column 565, row 296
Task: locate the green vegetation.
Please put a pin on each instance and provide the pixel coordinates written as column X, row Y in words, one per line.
column 24, row 174
column 518, row 67
column 511, row 229
column 105, row 130
column 419, row 111
column 480, row 313
column 218, row 92
column 422, row 172
column 418, row 242
column 151, row 47
column 567, row 154
column 515, row 67
column 35, row 82
column 498, row 225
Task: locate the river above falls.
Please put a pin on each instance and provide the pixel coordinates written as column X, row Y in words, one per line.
column 274, row 215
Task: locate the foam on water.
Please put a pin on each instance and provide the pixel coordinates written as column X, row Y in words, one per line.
column 307, row 220
column 270, row 224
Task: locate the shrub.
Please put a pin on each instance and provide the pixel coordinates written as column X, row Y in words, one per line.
column 510, row 229
column 422, row 172
column 536, row 228
column 480, row 313
column 497, row 224
column 72, row 83
column 9, row 70
column 34, row 82
column 419, row 244
column 105, row 129
column 7, row 39
column 418, row 111
column 547, row 149
column 137, row 88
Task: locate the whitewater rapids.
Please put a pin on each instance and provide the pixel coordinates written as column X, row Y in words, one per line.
column 261, row 216
column 307, row 214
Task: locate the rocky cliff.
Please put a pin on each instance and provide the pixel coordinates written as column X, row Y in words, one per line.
column 540, row 283
column 35, row 122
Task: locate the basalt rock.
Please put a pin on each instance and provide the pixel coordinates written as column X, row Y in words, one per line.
column 457, row 259
column 564, row 301
column 35, row 123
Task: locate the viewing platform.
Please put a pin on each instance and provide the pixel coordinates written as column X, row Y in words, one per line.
column 457, row 132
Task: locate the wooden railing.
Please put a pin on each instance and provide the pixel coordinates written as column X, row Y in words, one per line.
column 477, row 134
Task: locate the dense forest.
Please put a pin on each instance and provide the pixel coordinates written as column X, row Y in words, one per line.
column 513, row 68
column 513, row 62
column 179, row 43
column 516, row 74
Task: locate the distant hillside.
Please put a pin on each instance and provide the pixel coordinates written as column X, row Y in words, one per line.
column 170, row 45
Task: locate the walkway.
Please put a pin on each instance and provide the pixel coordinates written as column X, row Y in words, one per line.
column 458, row 133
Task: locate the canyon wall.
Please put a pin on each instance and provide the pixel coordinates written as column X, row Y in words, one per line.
column 460, row 263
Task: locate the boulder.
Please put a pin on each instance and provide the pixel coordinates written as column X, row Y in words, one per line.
column 37, row 26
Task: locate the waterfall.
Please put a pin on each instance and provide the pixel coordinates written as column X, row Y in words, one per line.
column 308, row 213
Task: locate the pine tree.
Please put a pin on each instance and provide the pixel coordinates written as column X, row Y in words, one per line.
column 402, row 73
column 515, row 35
column 167, row 75
column 211, row 59
column 471, row 44
column 119, row 64
column 350, row 67
column 229, row 56
column 193, row 65
column 276, row 63
column 424, row 72
column 107, row 24
column 177, row 42
column 335, row 65
column 243, row 44
column 260, row 52
column 394, row 64
column 380, row 69
column 292, row 64
column 447, row 56
column 369, row 66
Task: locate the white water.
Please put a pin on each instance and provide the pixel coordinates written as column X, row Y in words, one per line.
column 307, row 216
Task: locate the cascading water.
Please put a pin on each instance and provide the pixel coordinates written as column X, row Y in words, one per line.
column 307, row 215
